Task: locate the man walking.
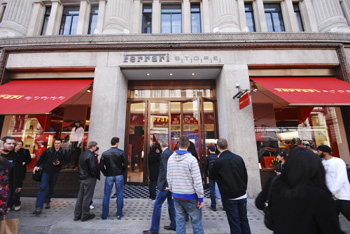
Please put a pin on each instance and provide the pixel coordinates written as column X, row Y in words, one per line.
column 88, row 173
column 231, row 175
column 113, row 165
column 212, row 156
column 163, row 193
column 185, row 184
column 15, row 172
column 336, row 179
column 50, row 162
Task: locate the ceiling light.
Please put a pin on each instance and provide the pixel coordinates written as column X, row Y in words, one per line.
column 148, row 74
column 193, row 74
column 171, row 74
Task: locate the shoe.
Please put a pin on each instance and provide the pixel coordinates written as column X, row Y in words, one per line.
column 91, row 216
column 17, row 208
column 149, row 232
column 76, row 219
column 119, row 217
column 212, row 208
column 92, row 207
column 47, row 205
column 169, row 228
column 37, row 211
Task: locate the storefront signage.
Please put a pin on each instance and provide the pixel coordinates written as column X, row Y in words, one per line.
column 244, row 101
column 310, row 91
column 10, row 96
column 138, row 58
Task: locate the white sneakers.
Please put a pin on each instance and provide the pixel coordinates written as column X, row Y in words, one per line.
column 92, row 207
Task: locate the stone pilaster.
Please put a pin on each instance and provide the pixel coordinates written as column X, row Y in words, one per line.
column 137, row 17
column 36, row 18
column 84, row 15
column 205, row 20
column 225, row 16
column 101, row 16
column 186, row 16
column 329, row 16
column 156, row 8
column 55, row 16
column 117, row 17
column 16, row 18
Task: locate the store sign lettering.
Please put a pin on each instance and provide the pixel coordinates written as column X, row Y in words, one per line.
column 310, row 91
column 35, row 98
column 155, row 58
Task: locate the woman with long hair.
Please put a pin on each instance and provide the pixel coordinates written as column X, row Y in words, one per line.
column 300, row 200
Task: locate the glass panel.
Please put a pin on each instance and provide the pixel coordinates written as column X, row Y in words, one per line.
column 93, row 19
column 159, row 122
column 190, row 122
column 175, row 108
column 298, row 17
column 209, row 123
column 147, row 18
column 274, row 19
column 176, row 23
column 249, row 16
column 176, row 93
column 166, row 24
column 69, row 20
column 136, row 142
column 46, row 20
column 195, row 18
column 74, row 25
column 171, row 18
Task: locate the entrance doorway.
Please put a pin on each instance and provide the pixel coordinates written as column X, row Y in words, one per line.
column 152, row 119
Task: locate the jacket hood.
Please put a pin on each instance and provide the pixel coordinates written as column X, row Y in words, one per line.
column 181, row 154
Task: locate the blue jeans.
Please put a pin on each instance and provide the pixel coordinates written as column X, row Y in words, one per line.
column 217, row 191
column 212, row 193
column 119, row 185
column 189, row 207
column 157, row 210
column 47, row 180
column 236, row 211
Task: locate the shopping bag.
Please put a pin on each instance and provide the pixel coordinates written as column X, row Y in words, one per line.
column 8, row 226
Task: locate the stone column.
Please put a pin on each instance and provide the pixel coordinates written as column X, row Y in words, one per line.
column 84, row 15
column 117, row 17
column 329, row 16
column 186, row 16
column 290, row 21
column 101, row 16
column 204, row 16
column 36, row 18
column 109, row 90
column 260, row 19
column 156, row 12
column 137, row 17
column 309, row 19
column 237, row 126
column 241, row 16
column 55, row 18
column 225, row 16
column 16, row 18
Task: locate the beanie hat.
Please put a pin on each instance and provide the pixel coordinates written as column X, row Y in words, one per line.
column 324, row 148
column 212, row 148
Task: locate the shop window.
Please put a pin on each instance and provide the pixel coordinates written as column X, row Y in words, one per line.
column 297, row 14
column 172, row 93
column 93, row 19
column 195, row 18
column 249, row 15
column 171, row 21
column 274, row 19
column 46, row 20
column 69, row 21
column 147, row 18
column 2, row 12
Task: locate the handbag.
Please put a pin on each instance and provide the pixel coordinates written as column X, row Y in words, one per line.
column 37, row 175
column 267, row 209
column 9, row 226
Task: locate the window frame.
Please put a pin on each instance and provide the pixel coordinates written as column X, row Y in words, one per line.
column 144, row 15
column 252, row 14
column 171, row 14
column 298, row 16
column 64, row 17
column 93, row 7
column 271, row 14
column 46, row 19
column 195, row 12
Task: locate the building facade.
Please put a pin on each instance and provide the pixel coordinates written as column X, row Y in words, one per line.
column 144, row 70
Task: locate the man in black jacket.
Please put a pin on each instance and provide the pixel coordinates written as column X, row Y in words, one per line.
column 113, row 165
column 50, row 162
column 231, row 174
column 212, row 156
column 88, row 173
column 163, row 193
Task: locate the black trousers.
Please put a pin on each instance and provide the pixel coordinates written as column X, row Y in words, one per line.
column 86, row 192
column 344, row 208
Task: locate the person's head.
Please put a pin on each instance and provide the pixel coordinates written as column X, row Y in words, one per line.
column 57, row 144
column 96, row 151
column 324, row 151
column 77, row 123
column 163, row 143
column 184, row 142
column 18, row 145
column 92, row 146
column 115, row 141
column 222, row 144
column 302, row 167
column 281, row 156
column 212, row 149
column 8, row 144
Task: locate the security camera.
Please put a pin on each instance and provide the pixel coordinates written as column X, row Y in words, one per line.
column 237, row 86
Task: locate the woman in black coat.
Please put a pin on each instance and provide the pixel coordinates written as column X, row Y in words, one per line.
column 300, row 200
column 153, row 163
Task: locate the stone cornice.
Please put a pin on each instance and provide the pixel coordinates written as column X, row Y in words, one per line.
column 177, row 41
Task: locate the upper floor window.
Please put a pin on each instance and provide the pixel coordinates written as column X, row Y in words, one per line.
column 249, row 15
column 274, row 17
column 2, row 12
column 69, row 21
column 147, row 18
column 46, row 19
column 171, row 18
column 298, row 16
column 93, row 19
column 195, row 18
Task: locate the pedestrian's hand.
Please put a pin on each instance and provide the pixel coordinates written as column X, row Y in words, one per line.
column 35, row 169
column 200, row 205
column 18, row 190
column 56, row 163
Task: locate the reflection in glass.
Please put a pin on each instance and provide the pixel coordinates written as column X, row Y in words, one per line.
column 171, row 18
column 147, row 18
column 93, row 19
column 69, row 21
column 274, row 19
column 249, row 14
column 195, row 18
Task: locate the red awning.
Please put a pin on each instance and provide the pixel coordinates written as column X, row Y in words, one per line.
column 306, row 91
column 37, row 96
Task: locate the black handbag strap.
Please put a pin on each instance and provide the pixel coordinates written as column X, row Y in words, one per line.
column 269, row 192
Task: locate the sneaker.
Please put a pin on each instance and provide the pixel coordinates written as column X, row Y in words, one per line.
column 91, row 216
column 47, row 205
column 17, row 208
column 212, row 208
column 37, row 211
column 76, row 218
column 92, row 207
column 119, row 217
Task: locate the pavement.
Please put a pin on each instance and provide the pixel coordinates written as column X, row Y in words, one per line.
column 137, row 217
